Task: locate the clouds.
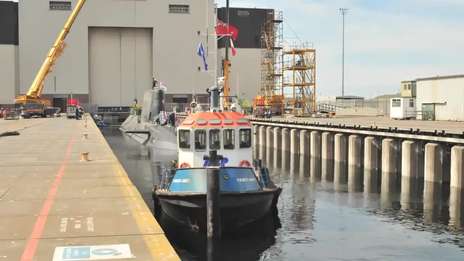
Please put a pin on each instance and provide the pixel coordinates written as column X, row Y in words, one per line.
column 386, row 41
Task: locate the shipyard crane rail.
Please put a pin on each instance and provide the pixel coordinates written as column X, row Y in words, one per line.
column 33, row 96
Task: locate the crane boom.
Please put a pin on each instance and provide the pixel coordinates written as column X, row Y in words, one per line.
column 37, row 86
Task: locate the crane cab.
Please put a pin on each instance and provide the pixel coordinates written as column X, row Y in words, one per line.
column 228, row 133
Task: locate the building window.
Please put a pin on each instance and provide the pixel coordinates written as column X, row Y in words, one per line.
column 243, row 13
column 60, row 5
column 411, row 103
column 396, row 102
column 179, row 9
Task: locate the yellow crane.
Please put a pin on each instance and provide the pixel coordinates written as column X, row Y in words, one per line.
column 32, row 102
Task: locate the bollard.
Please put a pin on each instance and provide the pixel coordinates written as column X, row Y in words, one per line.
column 371, row 165
column 85, row 156
column 327, row 156
column 269, row 145
column 262, row 143
column 340, row 159
column 213, row 214
column 277, row 147
column 315, row 161
column 285, row 149
column 304, row 153
column 354, row 163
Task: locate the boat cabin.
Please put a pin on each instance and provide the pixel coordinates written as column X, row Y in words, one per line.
column 229, row 133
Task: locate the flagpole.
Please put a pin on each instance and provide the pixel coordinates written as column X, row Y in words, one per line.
column 228, row 30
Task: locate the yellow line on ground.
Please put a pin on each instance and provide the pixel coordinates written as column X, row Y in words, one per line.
column 158, row 245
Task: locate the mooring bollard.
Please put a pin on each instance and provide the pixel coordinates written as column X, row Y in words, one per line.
column 213, row 214
column 85, row 156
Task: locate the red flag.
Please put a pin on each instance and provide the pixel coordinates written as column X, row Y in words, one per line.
column 222, row 29
column 232, row 48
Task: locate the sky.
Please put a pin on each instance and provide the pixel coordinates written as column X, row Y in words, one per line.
column 386, row 42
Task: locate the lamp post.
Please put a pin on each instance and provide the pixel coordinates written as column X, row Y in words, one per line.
column 343, row 12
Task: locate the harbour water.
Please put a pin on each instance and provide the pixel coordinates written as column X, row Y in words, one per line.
column 317, row 220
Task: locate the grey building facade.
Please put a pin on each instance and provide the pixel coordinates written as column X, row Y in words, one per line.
column 116, row 48
column 9, row 66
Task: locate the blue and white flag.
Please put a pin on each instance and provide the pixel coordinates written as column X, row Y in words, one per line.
column 201, row 52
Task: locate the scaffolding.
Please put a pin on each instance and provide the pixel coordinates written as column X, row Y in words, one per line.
column 270, row 94
column 299, row 86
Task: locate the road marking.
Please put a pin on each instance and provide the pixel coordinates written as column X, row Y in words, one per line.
column 64, row 225
column 37, row 231
column 77, row 223
column 102, row 252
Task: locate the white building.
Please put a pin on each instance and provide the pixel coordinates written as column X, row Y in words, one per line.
column 441, row 98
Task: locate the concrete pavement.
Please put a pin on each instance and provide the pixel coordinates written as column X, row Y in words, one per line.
column 53, row 206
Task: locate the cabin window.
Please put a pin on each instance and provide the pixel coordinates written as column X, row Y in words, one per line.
column 229, row 139
column 200, row 139
column 245, row 138
column 184, row 139
column 214, row 139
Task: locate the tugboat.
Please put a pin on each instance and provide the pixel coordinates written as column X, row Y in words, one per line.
column 246, row 191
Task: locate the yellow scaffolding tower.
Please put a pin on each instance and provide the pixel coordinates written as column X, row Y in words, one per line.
column 299, row 87
column 271, row 64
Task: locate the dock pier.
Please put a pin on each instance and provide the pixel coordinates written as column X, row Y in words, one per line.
column 372, row 159
column 57, row 206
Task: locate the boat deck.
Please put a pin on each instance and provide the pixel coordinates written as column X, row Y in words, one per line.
column 56, row 207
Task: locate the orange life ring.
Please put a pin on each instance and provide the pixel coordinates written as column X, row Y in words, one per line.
column 245, row 164
column 184, row 165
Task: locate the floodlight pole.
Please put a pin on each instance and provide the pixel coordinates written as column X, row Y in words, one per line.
column 343, row 12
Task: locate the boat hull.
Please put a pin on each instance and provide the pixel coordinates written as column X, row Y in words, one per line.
column 237, row 209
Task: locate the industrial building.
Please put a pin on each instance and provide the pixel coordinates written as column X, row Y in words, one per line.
column 116, row 48
column 9, row 70
column 440, row 98
column 436, row 98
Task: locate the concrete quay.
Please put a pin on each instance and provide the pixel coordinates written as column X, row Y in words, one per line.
column 385, row 122
column 56, row 205
column 363, row 161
